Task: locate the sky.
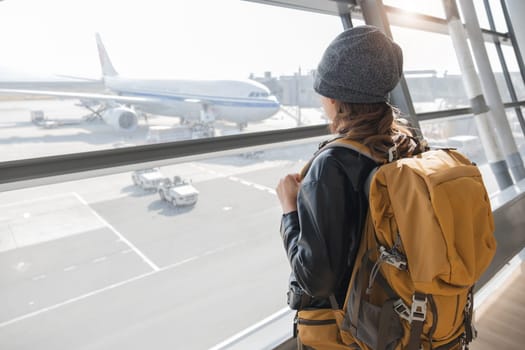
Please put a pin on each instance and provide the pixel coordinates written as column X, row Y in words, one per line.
column 187, row 39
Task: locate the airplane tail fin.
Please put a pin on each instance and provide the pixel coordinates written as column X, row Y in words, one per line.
column 105, row 62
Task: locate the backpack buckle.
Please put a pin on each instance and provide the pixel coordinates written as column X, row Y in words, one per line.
column 418, row 311
column 396, row 260
column 402, row 309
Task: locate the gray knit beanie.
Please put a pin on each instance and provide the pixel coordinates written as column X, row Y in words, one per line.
column 361, row 65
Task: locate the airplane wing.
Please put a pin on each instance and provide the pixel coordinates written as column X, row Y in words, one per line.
column 101, row 97
column 83, row 96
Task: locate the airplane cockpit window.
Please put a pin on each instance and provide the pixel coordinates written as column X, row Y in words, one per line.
column 259, row 94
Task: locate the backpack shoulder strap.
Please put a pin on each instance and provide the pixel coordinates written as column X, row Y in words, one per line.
column 345, row 143
column 353, row 145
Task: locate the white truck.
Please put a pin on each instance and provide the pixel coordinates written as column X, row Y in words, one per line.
column 148, row 179
column 178, row 192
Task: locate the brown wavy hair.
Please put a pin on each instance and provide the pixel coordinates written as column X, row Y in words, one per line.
column 379, row 127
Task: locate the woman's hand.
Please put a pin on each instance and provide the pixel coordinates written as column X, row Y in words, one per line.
column 287, row 190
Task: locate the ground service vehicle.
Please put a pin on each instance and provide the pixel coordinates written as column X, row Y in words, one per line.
column 148, row 179
column 178, row 192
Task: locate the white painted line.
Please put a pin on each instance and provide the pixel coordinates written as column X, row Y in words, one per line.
column 97, row 260
column 209, row 252
column 224, row 247
column 72, row 300
column 112, row 286
column 182, row 262
column 119, row 235
column 39, row 277
column 251, row 184
column 70, row 268
column 235, row 338
column 126, row 251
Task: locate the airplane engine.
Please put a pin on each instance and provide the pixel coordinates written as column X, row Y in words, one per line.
column 121, row 118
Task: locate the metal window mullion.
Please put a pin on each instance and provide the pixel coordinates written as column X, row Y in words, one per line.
column 52, row 169
column 513, row 40
column 504, row 67
column 375, row 14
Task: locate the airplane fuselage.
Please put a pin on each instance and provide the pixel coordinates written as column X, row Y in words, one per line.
column 238, row 101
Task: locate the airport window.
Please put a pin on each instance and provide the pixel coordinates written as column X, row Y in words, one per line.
column 199, row 70
column 517, row 128
column 146, row 258
column 174, row 253
column 461, row 133
column 513, row 71
column 430, row 7
column 431, row 70
column 496, row 13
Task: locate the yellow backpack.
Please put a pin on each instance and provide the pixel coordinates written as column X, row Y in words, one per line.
column 427, row 239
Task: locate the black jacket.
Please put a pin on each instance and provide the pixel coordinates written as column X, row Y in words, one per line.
column 322, row 237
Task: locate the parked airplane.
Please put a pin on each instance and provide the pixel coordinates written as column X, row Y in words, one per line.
column 196, row 101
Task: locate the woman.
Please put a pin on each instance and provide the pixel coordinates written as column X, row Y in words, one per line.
column 324, row 212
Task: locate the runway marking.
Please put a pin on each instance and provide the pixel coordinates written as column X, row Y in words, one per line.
column 252, row 184
column 114, row 285
column 72, row 300
column 260, row 187
column 119, row 235
column 97, row 260
column 70, row 268
column 39, row 277
column 239, row 180
column 253, row 328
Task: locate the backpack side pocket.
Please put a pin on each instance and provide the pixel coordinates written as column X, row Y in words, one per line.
column 318, row 329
